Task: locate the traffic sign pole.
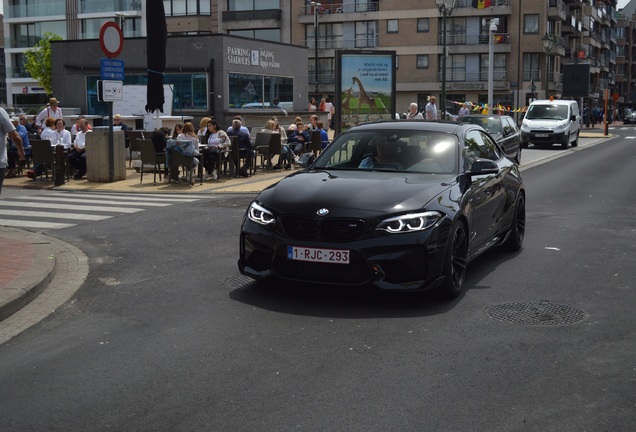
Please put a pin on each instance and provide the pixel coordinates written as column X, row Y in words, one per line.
column 111, row 41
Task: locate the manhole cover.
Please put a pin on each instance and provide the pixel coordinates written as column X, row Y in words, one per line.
column 533, row 313
column 233, row 202
column 239, row 281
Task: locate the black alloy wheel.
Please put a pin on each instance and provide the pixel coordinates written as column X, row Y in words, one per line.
column 456, row 260
column 518, row 227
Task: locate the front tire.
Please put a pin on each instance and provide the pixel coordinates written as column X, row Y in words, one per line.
column 456, row 261
column 566, row 143
column 518, row 227
column 575, row 143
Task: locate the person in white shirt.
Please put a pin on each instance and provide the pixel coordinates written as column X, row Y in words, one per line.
column 77, row 156
column 414, row 114
column 431, row 109
column 61, row 135
column 464, row 110
column 52, row 110
column 75, row 129
column 48, row 133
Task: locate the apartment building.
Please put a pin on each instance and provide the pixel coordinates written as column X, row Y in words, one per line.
column 532, row 41
column 26, row 22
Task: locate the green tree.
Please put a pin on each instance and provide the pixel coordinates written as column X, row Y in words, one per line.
column 38, row 61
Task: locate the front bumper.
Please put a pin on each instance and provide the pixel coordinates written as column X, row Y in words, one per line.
column 409, row 261
column 543, row 137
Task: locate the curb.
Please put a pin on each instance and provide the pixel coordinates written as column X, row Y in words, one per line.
column 26, row 287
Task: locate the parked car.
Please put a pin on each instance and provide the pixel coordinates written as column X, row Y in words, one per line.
column 502, row 128
column 550, row 122
column 629, row 116
column 398, row 205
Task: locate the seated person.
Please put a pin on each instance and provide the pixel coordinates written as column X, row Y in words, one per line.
column 385, row 154
column 324, row 136
column 299, row 138
column 77, row 156
column 244, row 144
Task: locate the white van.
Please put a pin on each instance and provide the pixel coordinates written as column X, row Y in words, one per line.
column 550, row 122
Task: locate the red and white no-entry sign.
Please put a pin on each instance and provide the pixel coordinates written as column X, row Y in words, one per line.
column 111, row 39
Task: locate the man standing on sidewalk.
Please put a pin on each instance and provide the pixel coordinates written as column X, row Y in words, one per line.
column 6, row 127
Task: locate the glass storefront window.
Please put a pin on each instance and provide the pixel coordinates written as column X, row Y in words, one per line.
column 250, row 89
column 190, row 92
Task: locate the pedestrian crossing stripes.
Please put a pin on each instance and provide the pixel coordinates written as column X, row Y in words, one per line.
column 57, row 210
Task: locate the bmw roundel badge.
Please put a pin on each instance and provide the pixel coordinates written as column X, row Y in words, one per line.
column 322, row 212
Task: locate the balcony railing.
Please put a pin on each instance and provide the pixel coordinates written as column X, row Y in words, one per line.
column 369, row 6
column 371, row 41
column 460, row 39
column 532, row 74
column 470, row 76
column 324, row 76
column 39, row 9
column 17, row 73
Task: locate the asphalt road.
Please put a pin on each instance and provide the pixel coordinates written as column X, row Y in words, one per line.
column 166, row 336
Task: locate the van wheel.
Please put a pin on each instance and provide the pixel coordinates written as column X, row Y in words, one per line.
column 566, row 143
column 576, row 141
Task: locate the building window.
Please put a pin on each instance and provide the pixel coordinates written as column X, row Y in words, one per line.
column 366, row 35
column 186, row 7
column 26, row 35
column 531, row 69
column 531, row 24
column 329, row 36
column 500, row 67
column 91, row 27
column 392, row 26
column 366, row 5
column 272, row 35
column 422, row 61
column 422, row 25
column 97, row 6
column 249, row 5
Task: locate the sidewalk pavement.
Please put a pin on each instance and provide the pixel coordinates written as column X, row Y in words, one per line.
column 27, row 265
column 27, row 260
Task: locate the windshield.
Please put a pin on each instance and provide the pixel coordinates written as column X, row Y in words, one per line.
column 400, row 151
column 492, row 125
column 547, row 112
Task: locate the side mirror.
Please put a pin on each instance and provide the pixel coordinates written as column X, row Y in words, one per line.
column 482, row 167
column 572, row 117
column 506, row 131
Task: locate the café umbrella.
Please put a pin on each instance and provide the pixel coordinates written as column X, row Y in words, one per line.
column 156, row 54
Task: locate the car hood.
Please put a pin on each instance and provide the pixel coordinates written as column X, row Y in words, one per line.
column 545, row 123
column 344, row 192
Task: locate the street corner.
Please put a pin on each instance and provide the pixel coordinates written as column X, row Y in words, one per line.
column 27, row 265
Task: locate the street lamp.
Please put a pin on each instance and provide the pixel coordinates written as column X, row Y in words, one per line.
column 316, row 6
column 446, row 9
column 548, row 42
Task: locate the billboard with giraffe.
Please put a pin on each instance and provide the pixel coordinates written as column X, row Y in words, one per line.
column 365, row 87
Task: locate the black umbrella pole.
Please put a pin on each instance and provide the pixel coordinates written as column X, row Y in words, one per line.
column 111, row 144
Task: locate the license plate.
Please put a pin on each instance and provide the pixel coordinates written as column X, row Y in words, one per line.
column 541, row 135
column 333, row 256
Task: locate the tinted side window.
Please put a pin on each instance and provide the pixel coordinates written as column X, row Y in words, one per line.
column 478, row 145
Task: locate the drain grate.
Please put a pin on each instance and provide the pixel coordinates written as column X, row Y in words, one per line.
column 542, row 313
column 233, row 202
column 239, row 281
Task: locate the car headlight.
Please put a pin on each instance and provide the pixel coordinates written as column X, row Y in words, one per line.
column 260, row 215
column 409, row 222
